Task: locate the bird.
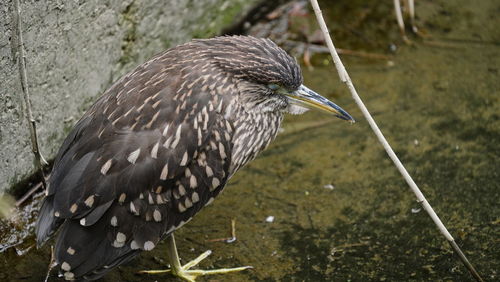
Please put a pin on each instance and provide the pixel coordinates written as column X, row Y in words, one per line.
column 160, row 144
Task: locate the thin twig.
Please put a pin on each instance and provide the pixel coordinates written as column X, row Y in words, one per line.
column 315, row 48
column 227, row 239
column 344, row 77
column 399, row 18
column 21, row 59
column 411, row 12
column 233, row 231
column 28, row 194
column 52, row 263
column 363, row 54
column 346, row 246
column 441, row 44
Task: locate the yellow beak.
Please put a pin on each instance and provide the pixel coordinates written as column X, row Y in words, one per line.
column 310, row 99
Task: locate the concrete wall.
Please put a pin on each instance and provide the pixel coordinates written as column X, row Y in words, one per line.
column 75, row 50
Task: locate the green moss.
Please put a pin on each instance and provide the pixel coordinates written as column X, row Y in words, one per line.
column 128, row 20
column 218, row 19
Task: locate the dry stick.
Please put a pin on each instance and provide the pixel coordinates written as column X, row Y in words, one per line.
column 21, row 58
column 52, row 262
column 411, row 11
column 227, row 239
column 28, row 194
column 399, row 17
column 344, row 77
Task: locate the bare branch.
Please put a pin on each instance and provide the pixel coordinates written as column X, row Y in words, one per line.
column 40, row 162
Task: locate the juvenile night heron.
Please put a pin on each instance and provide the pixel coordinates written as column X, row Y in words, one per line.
column 161, row 144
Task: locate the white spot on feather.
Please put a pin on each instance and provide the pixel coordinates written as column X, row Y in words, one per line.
column 106, row 166
column 154, row 151
column 219, row 107
column 209, row 171
column 159, row 199
column 69, row 275
column 199, row 136
column 132, row 157
column 222, row 151
column 133, row 209
column 149, row 245
column 164, row 172
column 167, row 142
column 156, row 104
column 215, row 183
column 181, row 190
column 177, row 137
column 134, row 245
column 128, row 112
column 184, row 159
column 165, row 131
column 89, row 201
column 117, row 244
column 65, row 266
column 70, row 251
column 193, row 183
column 188, row 203
column 122, row 197
column 212, row 145
column 181, row 207
column 153, row 119
column 120, row 237
column 114, row 221
column 157, row 215
column 195, row 197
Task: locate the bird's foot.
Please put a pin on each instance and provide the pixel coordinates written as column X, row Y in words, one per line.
column 186, row 274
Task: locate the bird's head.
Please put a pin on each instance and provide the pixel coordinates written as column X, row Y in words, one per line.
column 268, row 79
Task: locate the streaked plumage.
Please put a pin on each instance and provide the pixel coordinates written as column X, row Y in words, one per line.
column 159, row 145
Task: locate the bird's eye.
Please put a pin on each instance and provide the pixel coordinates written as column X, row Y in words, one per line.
column 273, row 86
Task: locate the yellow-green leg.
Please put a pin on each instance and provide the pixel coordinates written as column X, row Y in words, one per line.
column 183, row 271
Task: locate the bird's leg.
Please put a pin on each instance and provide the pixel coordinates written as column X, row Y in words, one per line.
column 183, row 271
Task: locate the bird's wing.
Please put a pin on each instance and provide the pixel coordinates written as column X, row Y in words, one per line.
column 144, row 159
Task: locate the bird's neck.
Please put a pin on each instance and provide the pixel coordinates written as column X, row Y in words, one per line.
column 254, row 131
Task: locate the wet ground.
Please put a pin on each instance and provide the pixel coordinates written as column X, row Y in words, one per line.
column 341, row 210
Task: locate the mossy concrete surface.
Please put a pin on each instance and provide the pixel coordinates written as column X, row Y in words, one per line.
column 75, row 50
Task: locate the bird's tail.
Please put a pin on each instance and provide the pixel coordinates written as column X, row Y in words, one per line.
column 47, row 223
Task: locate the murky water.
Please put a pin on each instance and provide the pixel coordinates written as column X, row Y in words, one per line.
column 341, row 210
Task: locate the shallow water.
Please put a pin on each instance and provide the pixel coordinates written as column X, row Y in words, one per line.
column 341, row 210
